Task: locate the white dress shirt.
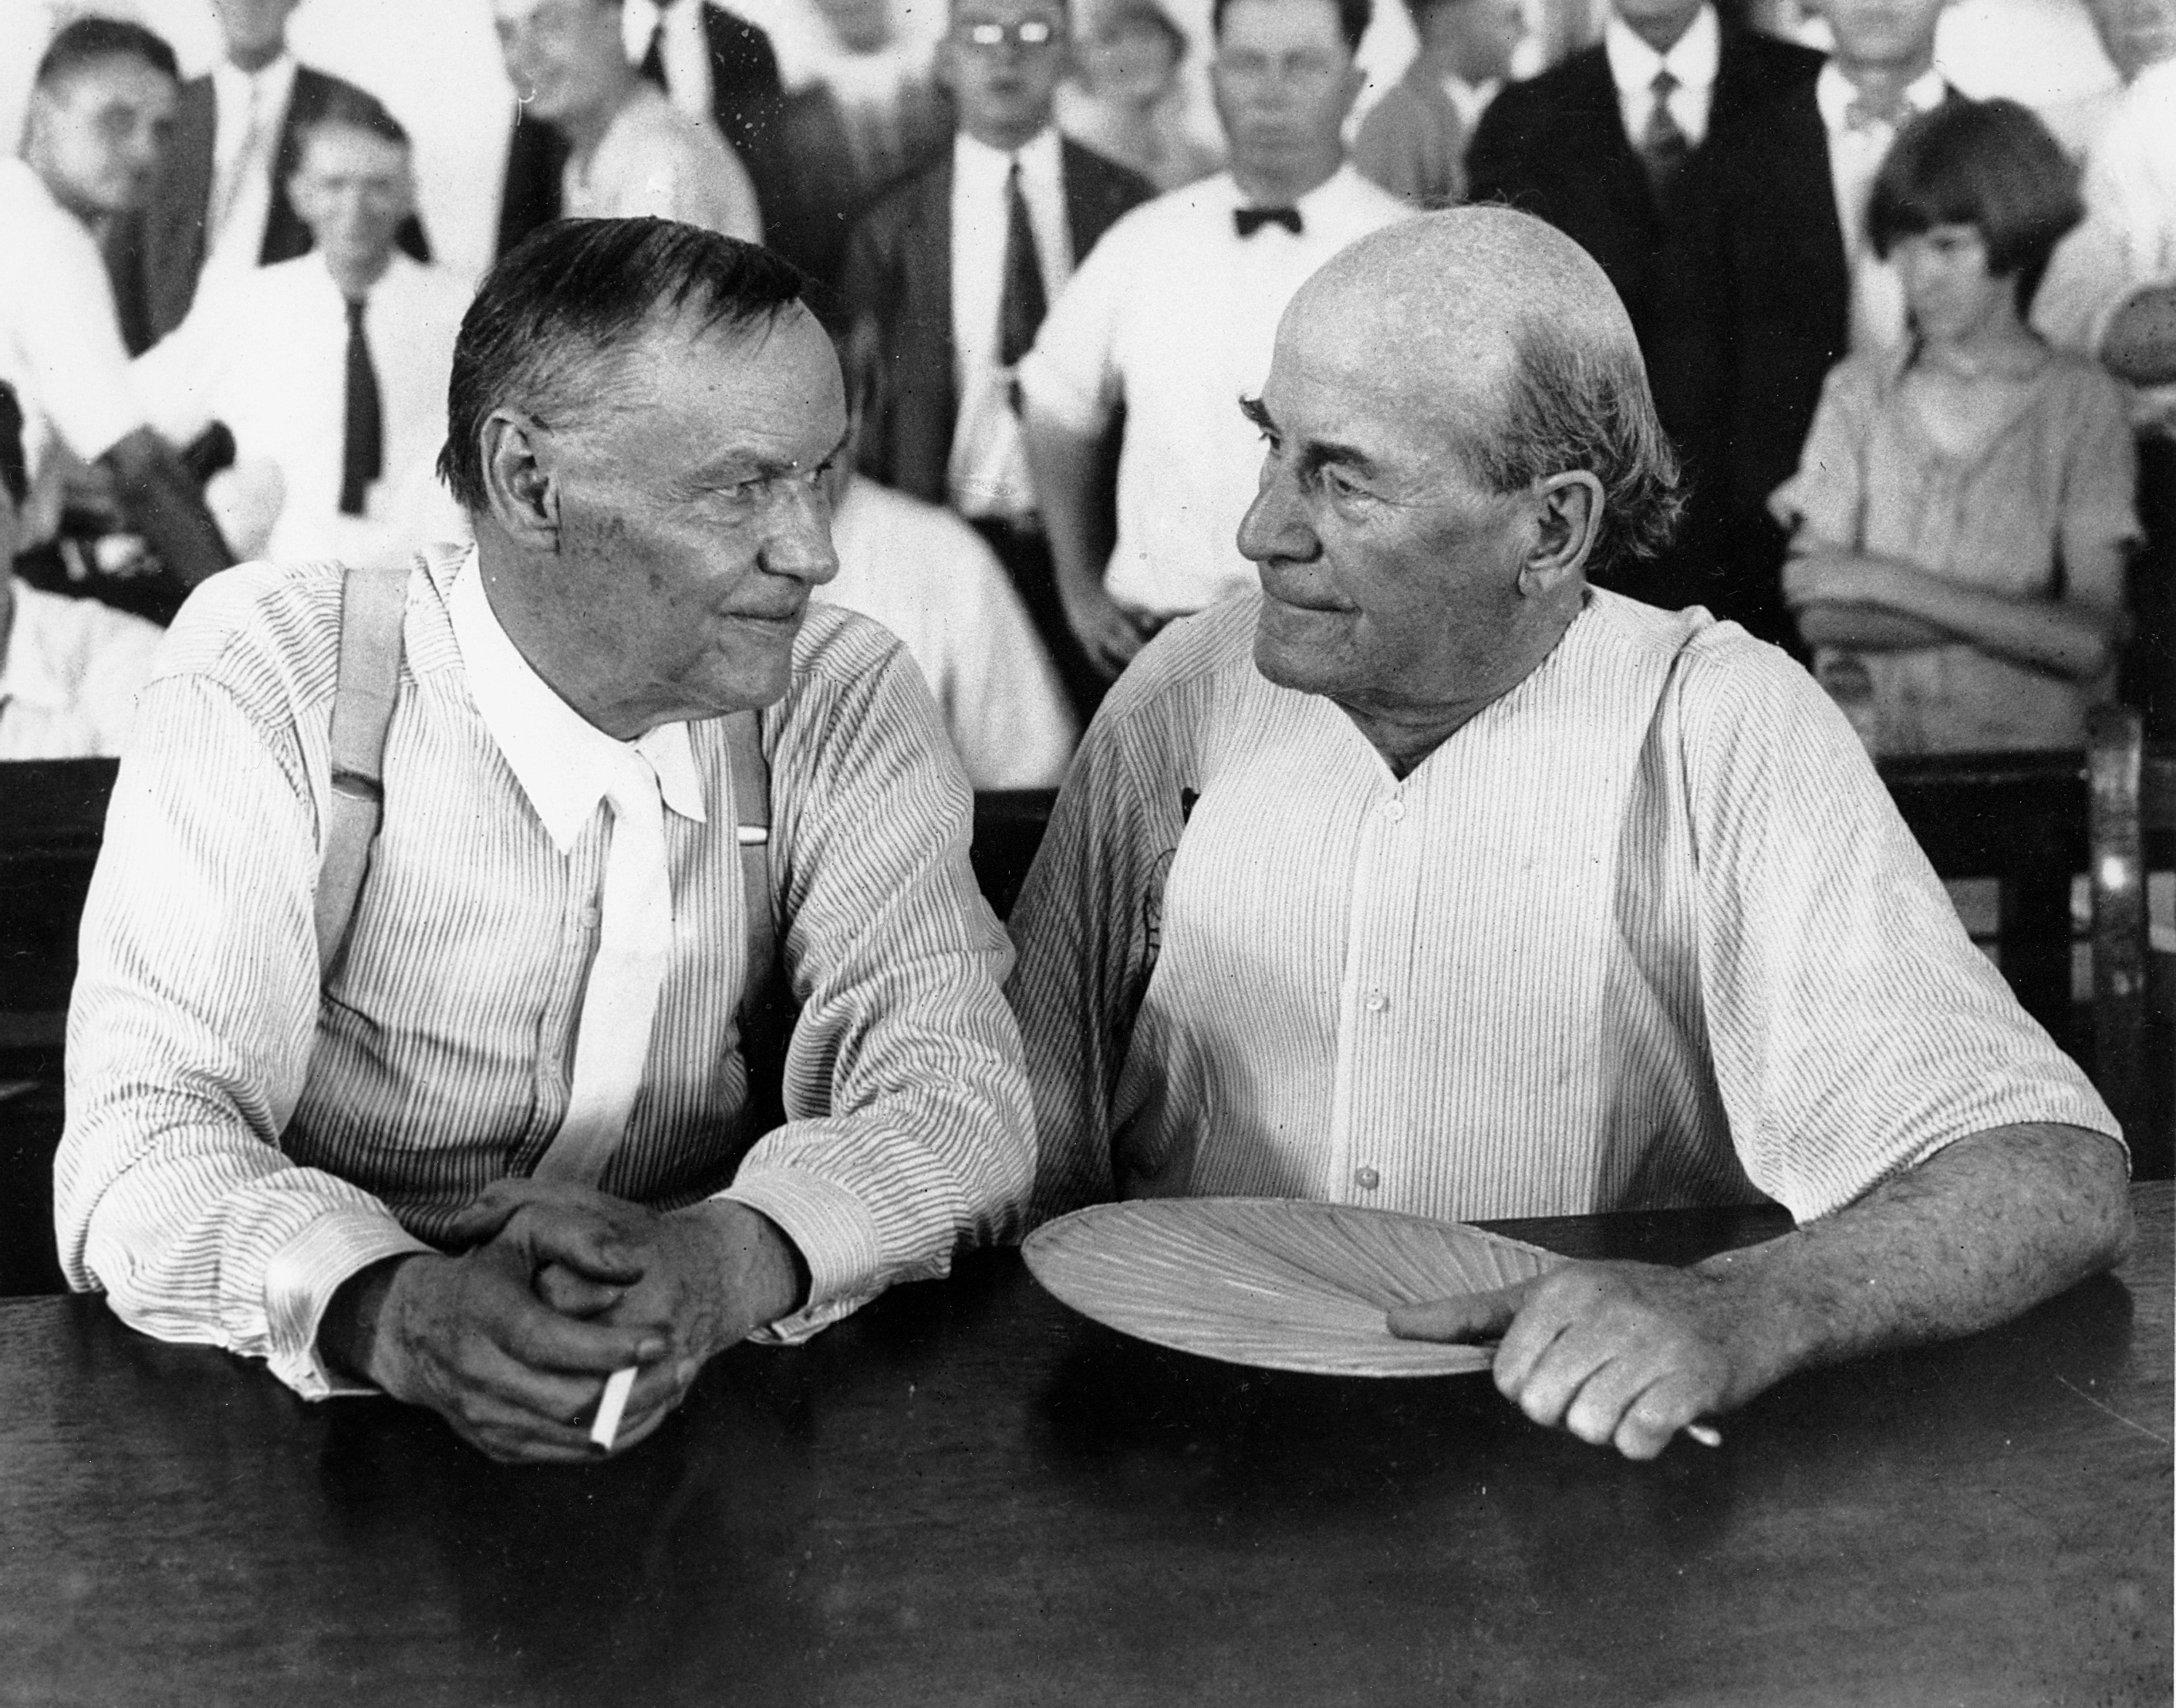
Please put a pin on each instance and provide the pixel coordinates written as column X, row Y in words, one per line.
column 683, row 44
column 60, row 344
column 241, row 1139
column 248, row 109
column 930, row 579
column 1855, row 155
column 655, row 160
column 1693, row 59
column 988, row 473
column 266, row 353
column 1469, row 100
column 1174, row 315
column 1647, row 932
column 69, row 670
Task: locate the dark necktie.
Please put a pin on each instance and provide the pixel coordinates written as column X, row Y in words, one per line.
column 362, row 445
column 653, row 61
column 1249, row 221
column 1020, row 308
column 1663, row 147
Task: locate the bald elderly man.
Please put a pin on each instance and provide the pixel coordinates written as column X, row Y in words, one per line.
column 1437, row 879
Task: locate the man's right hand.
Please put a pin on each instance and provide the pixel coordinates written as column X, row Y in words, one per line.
column 1107, row 634
column 469, row 1337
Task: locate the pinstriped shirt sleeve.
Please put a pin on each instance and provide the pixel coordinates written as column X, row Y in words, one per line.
column 1086, row 923
column 1854, row 1029
column 188, row 1038
column 908, row 1129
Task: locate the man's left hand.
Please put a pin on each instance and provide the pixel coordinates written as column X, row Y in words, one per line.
column 711, row 1274
column 1615, row 1352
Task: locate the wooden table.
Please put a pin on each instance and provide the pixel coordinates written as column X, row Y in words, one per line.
column 968, row 1494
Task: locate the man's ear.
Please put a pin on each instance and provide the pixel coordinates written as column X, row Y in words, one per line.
column 1567, row 522
column 522, row 491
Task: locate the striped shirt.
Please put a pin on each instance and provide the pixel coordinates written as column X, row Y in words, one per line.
column 238, row 1144
column 1647, row 932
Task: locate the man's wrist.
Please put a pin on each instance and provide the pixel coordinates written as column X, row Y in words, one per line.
column 758, row 1273
column 348, row 1334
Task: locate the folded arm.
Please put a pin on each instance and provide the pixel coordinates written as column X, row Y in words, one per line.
column 2074, row 636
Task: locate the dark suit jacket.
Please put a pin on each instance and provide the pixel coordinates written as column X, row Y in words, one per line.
column 746, row 103
column 154, row 257
column 1555, row 146
column 899, row 293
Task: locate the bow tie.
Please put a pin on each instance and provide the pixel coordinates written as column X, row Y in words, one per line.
column 1250, row 220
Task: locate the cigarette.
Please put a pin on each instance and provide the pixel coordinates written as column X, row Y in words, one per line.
column 1705, row 1434
column 618, row 1386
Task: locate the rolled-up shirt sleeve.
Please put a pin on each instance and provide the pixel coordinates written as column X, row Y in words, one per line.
column 1855, row 1030
column 189, row 1034
column 1071, row 375
column 908, row 1129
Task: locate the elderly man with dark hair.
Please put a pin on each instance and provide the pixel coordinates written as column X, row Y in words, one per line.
column 509, row 1140
column 1435, row 879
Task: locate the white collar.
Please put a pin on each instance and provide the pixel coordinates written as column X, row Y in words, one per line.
column 564, row 763
column 274, row 81
column 1693, row 58
column 1833, row 93
column 976, row 163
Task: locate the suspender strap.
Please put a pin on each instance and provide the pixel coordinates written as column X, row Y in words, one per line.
column 373, row 602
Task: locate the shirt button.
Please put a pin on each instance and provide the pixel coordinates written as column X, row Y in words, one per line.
column 1376, row 1003
column 1393, row 810
column 1367, row 1179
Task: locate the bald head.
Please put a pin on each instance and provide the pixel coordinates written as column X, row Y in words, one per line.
column 1509, row 340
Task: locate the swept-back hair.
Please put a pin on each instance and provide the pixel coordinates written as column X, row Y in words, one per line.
column 1985, row 163
column 89, row 40
column 1577, row 403
column 571, row 298
column 1353, row 17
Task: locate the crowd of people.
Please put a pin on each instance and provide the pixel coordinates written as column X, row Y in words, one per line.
column 1359, row 539
column 1915, row 359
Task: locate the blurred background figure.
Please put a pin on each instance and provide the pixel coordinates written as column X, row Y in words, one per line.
column 1963, row 507
column 70, row 668
column 865, row 109
column 1124, row 99
column 1790, row 281
column 330, row 370
column 219, row 203
column 928, row 576
column 630, row 151
column 102, row 109
column 1412, row 141
column 1171, row 320
column 947, row 279
column 712, row 63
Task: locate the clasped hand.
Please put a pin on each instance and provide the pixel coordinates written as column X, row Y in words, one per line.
column 1621, row 1353
column 512, row 1339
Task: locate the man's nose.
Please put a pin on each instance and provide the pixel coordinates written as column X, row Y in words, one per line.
column 1275, row 524
column 799, row 542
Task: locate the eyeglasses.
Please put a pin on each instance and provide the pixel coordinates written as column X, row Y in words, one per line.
column 1029, row 32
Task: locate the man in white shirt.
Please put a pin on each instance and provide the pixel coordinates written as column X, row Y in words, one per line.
column 1412, row 141
column 1435, row 879
column 330, row 370
column 631, row 151
column 70, row 668
column 220, row 206
column 926, row 576
column 513, row 1133
column 1174, row 315
column 947, row 286
column 100, row 111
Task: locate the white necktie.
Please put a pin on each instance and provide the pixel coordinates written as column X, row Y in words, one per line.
column 244, row 162
column 634, row 945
